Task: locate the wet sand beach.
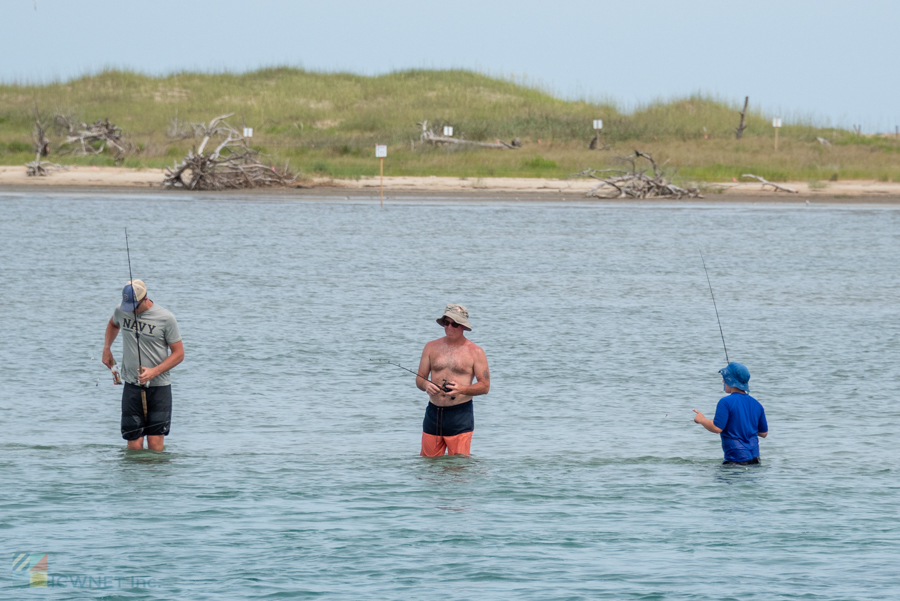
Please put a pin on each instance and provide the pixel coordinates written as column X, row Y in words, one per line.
column 532, row 188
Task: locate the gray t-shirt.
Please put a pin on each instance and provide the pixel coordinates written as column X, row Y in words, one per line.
column 158, row 330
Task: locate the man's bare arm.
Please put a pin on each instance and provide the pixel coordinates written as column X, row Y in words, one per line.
column 425, row 370
column 112, row 330
column 763, row 434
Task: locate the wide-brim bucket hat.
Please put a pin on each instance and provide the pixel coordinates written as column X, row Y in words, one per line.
column 736, row 375
column 457, row 313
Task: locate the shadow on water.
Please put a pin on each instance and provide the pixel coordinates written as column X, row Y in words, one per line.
column 450, row 469
column 740, row 474
column 451, row 473
column 146, row 456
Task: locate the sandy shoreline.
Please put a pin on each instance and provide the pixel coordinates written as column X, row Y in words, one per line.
column 120, row 177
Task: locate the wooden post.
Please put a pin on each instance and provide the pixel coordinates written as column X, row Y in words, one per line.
column 380, row 153
column 776, row 123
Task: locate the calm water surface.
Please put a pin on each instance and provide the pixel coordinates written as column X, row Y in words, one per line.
column 292, row 469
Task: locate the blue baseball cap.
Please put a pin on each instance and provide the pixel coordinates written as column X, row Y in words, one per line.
column 736, row 375
column 132, row 294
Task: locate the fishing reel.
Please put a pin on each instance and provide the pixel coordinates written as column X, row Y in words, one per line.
column 445, row 388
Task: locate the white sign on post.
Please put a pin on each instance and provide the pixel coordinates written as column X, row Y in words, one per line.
column 776, row 122
column 248, row 132
column 598, row 123
column 448, row 131
column 380, row 151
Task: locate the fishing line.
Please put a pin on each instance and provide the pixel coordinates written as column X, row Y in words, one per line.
column 442, row 387
column 715, row 307
column 137, row 335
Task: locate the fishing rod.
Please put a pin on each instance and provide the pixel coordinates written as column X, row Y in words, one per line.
column 442, row 387
column 715, row 307
column 137, row 334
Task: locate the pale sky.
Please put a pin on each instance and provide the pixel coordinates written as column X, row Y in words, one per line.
column 831, row 61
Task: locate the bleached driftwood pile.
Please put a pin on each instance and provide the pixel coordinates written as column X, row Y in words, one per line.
column 39, row 168
column 81, row 137
column 621, row 183
column 430, row 137
column 232, row 165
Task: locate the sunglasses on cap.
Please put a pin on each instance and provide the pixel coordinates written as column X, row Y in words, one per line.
column 450, row 323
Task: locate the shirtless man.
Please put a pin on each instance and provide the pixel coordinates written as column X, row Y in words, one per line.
column 453, row 362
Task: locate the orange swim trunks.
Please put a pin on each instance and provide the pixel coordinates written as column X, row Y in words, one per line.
column 434, row 446
column 447, row 429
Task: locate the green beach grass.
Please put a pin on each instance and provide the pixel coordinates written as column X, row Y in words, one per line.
column 328, row 124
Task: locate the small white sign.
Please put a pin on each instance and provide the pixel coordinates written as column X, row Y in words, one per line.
column 448, row 131
column 248, row 132
column 776, row 122
column 598, row 123
column 380, row 151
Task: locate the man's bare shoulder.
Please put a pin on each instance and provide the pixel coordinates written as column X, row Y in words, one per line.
column 431, row 345
column 473, row 348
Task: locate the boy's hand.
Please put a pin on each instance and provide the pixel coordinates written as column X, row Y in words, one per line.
column 699, row 418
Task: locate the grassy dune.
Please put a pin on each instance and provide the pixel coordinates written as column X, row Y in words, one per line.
column 329, row 123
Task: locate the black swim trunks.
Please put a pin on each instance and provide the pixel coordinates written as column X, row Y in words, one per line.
column 754, row 461
column 159, row 411
column 449, row 421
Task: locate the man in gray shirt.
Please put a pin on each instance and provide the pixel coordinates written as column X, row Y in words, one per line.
column 147, row 395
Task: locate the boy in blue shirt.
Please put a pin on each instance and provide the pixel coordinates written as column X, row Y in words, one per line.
column 740, row 419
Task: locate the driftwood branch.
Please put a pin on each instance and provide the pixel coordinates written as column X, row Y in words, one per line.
column 739, row 131
column 41, row 143
column 635, row 183
column 232, row 165
column 82, row 138
column 766, row 182
column 216, row 127
column 428, row 136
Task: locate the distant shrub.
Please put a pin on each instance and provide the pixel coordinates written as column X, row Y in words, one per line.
column 174, row 151
column 322, row 167
column 18, row 146
column 834, row 177
column 540, row 163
